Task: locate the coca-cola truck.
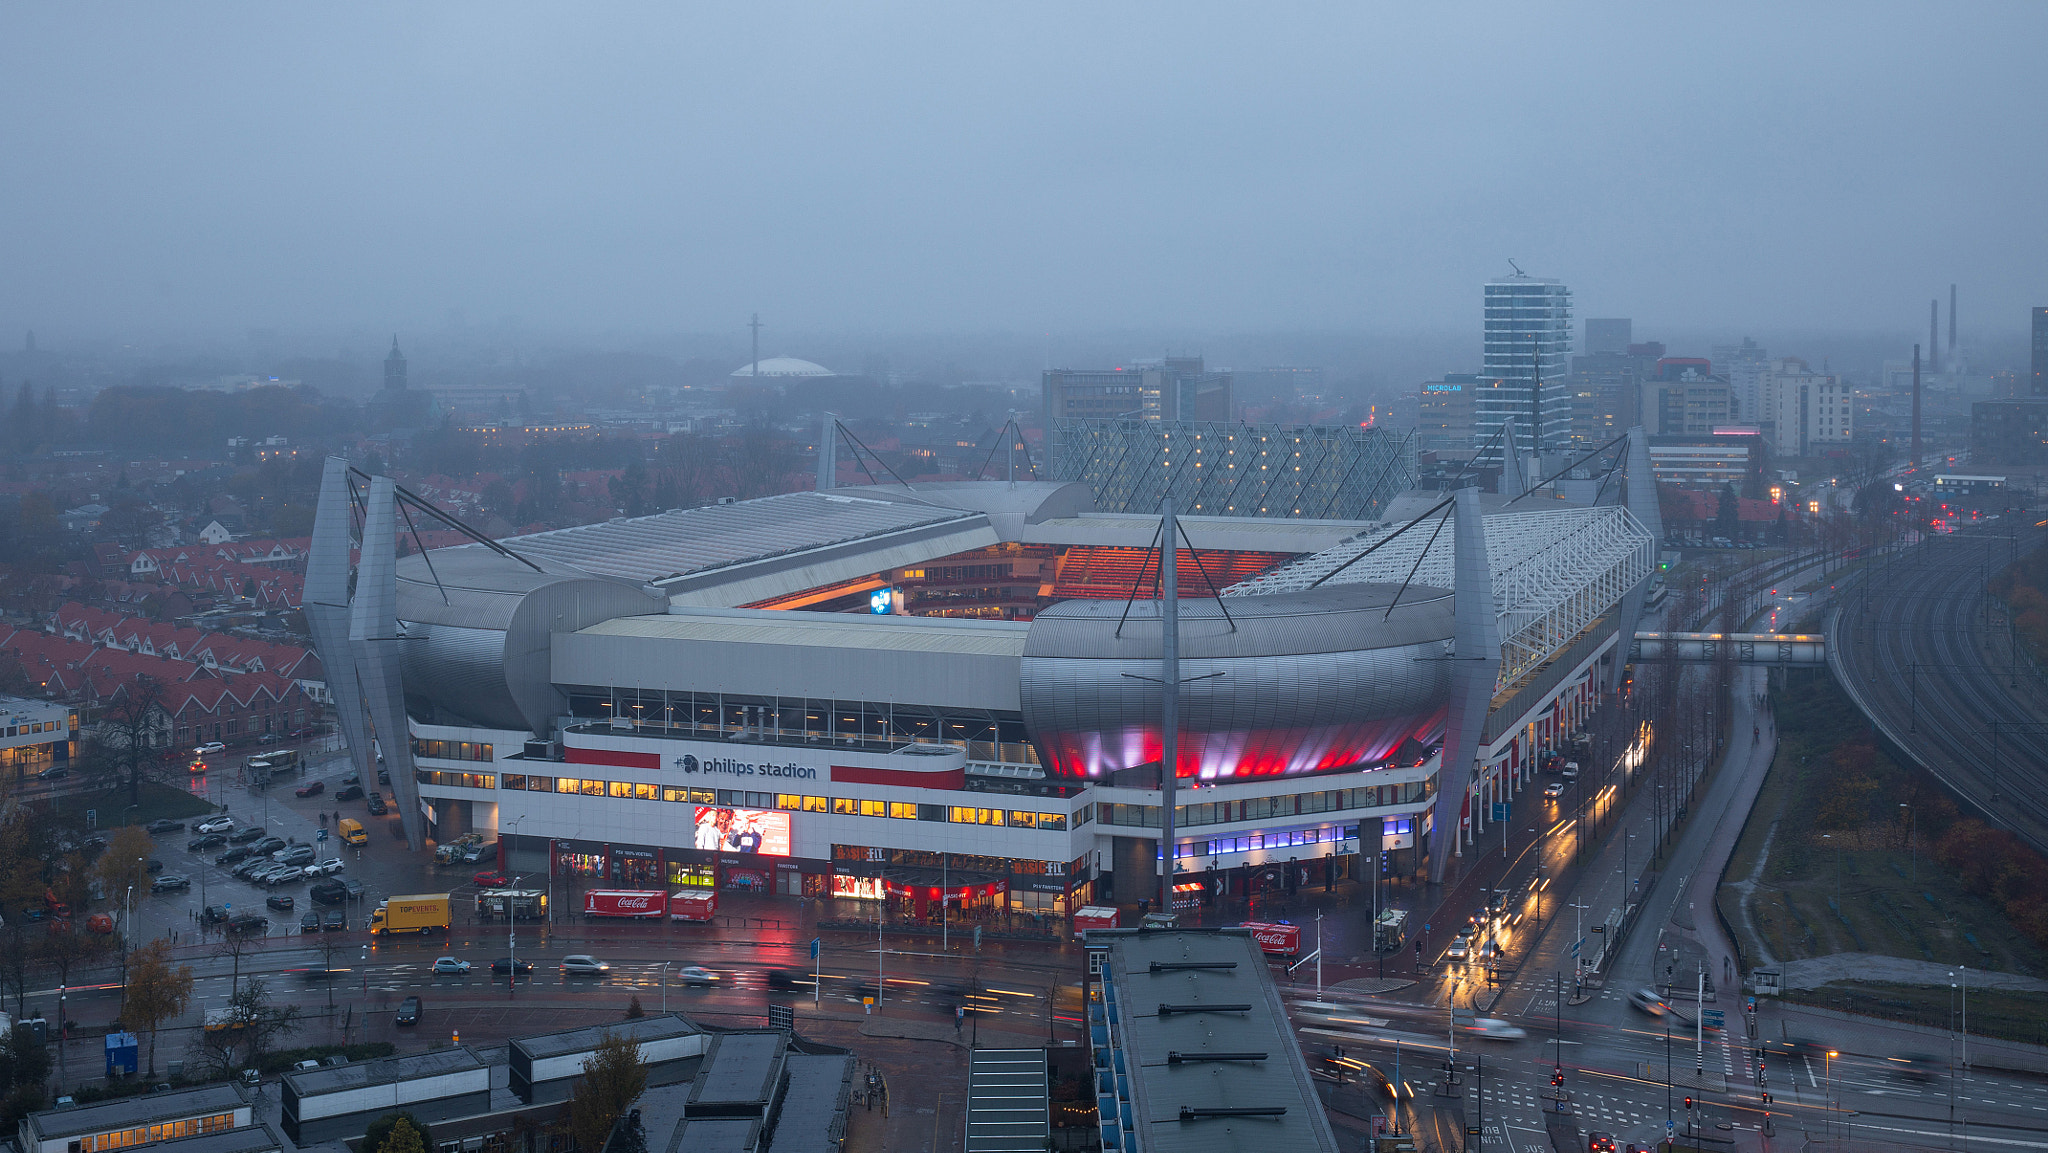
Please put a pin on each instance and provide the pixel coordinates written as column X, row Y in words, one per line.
column 692, row 905
column 1276, row 938
column 1094, row 917
column 625, row 903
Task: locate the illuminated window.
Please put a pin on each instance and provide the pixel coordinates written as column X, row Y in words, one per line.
column 1021, row 820
column 1054, row 821
column 873, row 808
column 791, row 801
column 846, row 806
column 817, row 804
column 903, row 811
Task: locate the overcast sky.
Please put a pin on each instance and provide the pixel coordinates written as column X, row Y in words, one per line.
column 1034, row 167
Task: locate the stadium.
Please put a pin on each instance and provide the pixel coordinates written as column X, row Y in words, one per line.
column 951, row 692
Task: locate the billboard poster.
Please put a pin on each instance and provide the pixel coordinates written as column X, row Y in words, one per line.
column 763, row 831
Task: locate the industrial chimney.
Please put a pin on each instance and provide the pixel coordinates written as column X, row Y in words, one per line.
column 1916, row 407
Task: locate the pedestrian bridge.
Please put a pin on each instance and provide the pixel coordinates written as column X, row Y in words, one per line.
column 1789, row 649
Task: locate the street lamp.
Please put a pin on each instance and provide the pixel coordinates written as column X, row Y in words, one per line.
column 511, row 936
column 664, row 986
column 1912, row 821
column 1829, row 1073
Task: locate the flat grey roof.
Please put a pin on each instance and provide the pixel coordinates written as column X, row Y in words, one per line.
column 1149, row 971
column 257, row 1138
column 714, row 1135
column 131, row 1111
column 740, row 1069
column 585, row 1040
column 683, row 541
column 382, row 1071
column 813, row 1118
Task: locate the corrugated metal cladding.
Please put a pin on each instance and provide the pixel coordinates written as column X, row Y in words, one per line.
column 1160, row 1090
column 909, row 660
column 681, row 541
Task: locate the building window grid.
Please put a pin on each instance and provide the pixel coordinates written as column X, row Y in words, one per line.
column 985, row 736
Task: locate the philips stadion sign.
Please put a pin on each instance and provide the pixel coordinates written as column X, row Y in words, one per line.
column 732, row 768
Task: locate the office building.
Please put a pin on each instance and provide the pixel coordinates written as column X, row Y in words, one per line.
column 34, row 735
column 1743, row 366
column 1528, row 340
column 2040, row 365
column 2009, row 431
column 217, row 1113
column 1444, row 412
column 1709, row 462
column 1815, row 411
column 1176, row 388
column 1606, row 397
column 1684, row 398
column 1609, row 336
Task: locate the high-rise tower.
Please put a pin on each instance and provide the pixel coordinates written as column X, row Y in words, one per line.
column 1528, row 337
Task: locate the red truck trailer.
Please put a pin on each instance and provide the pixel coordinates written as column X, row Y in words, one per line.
column 692, row 905
column 625, row 903
column 1276, row 938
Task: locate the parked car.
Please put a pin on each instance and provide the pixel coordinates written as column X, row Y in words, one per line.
column 348, row 792
column 282, row 902
column 330, row 866
column 354, row 887
column 165, row 826
column 233, row 856
column 302, row 1066
column 267, row 846
column 248, row 869
column 285, row 875
column 208, row 748
column 220, row 824
column 450, row 966
column 53, row 773
column 247, row 836
column 333, row 921
column 310, row 923
column 353, row 778
column 249, row 925
column 383, row 776
column 408, row 1012
column 327, row 892
column 213, row 914
column 298, row 855
column 205, row 841
column 153, row 866
column 170, row 883
column 376, row 804
column 584, row 965
column 310, row 789
column 506, row 964
column 492, row 881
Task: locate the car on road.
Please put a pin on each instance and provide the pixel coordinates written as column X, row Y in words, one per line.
column 204, row 841
column 1495, row 1029
column 1599, row 1143
column 53, row 773
column 330, row 866
column 249, row 925
column 348, row 792
column 376, row 804
column 696, row 976
column 333, row 921
column 584, row 965
column 492, row 881
column 789, row 980
column 297, row 855
column 282, row 902
column 507, row 964
column 1913, row 1066
column 1571, row 771
column 1461, row 948
column 164, row 826
column 170, row 883
column 1554, row 790
column 233, row 856
column 209, row 748
column 408, row 1012
column 1649, row 1001
column 450, row 966
column 247, row 836
column 220, row 824
column 310, row 789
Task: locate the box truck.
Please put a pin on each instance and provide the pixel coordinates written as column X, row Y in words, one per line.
column 692, row 905
column 418, row 913
column 352, row 831
column 1275, row 937
column 524, row 904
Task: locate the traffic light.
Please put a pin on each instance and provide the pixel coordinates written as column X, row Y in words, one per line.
column 1767, row 1098
column 1557, row 1077
column 1688, row 1104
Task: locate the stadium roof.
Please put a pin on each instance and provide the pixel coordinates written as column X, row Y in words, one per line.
column 780, row 368
column 1555, row 571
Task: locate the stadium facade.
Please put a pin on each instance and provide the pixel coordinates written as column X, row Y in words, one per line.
column 883, row 693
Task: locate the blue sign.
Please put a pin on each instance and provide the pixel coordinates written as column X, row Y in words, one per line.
column 1576, row 944
column 814, row 948
column 1500, row 810
column 322, row 836
column 882, row 601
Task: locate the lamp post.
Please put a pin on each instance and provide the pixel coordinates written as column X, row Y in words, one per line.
column 664, row 986
column 511, row 940
column 1912, row 823
column 1828, row 1115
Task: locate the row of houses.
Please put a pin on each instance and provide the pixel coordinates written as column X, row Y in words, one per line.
column 222, row 652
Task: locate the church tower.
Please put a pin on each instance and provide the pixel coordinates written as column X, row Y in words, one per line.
column 394, row 368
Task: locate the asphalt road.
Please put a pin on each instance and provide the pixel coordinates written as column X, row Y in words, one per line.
column 1912, row 643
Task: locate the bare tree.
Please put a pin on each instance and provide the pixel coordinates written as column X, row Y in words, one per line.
column 131, row 742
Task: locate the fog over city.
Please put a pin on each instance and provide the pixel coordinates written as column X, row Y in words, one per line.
column 1151, row 175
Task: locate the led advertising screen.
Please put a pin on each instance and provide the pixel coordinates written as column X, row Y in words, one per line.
column 724, row 830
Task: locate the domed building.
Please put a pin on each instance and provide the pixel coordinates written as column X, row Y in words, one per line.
column 780, row 369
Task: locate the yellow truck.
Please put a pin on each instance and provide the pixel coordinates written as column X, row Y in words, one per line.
column 418, row 913
column 352, row 831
